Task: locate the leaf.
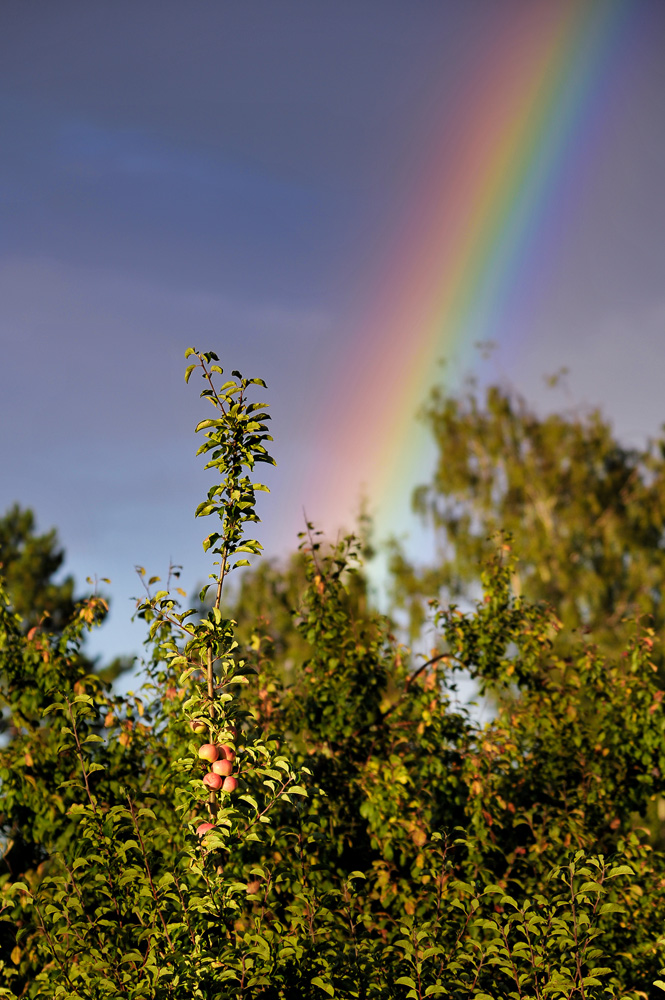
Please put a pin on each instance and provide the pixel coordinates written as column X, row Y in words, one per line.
column 611, row 908
column 55, row 707
column 406, row 981
column 210, row 540
column 208, row 422
column 317, row 981
column 132, row 956
column 462, row 886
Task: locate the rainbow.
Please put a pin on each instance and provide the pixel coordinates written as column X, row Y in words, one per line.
column 460, row 267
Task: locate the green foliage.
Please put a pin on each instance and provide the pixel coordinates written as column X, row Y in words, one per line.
column 376, row 841
column 586, row 513
column 28, row 563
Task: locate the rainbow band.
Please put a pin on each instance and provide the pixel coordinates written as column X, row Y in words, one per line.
column 460, row 268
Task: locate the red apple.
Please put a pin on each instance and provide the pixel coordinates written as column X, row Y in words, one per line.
column 204, row 828
column 213, row 781
column 227, row 751
column 222, row 767
column 208, row 752
column 230, row 784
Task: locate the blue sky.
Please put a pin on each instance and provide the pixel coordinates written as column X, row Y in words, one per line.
column 221, row 174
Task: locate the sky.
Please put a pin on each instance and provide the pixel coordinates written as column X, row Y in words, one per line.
column 335, row 197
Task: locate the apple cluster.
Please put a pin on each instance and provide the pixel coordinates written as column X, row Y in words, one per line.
column 221, row 758
column 220, row 777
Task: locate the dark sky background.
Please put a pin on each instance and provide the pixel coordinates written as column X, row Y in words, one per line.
column 222, row 175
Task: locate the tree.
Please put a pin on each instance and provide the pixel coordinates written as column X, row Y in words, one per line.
column 585, row 512
column 44, row 611
column 379, row 842
column 29, row 562
column 267, row 606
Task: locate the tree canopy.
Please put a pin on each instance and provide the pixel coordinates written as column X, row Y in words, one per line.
column 294, row 806
column 29, row 564
column 586, row 513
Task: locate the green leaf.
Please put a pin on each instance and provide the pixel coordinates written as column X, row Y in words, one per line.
column 317, row 981
column 208, row 422
column 20, row 887
column 210, row 540
column 132, row 956
column 611, row 908
column 55, row 707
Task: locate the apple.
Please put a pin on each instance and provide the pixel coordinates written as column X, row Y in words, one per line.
column 230, row 784
column 199, row 726
column 223, row 767
column 227, row 751
column 213, row 781
column 208, row 752
column 204, row 828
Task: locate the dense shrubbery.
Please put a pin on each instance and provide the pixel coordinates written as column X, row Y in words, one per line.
column 380, row 842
